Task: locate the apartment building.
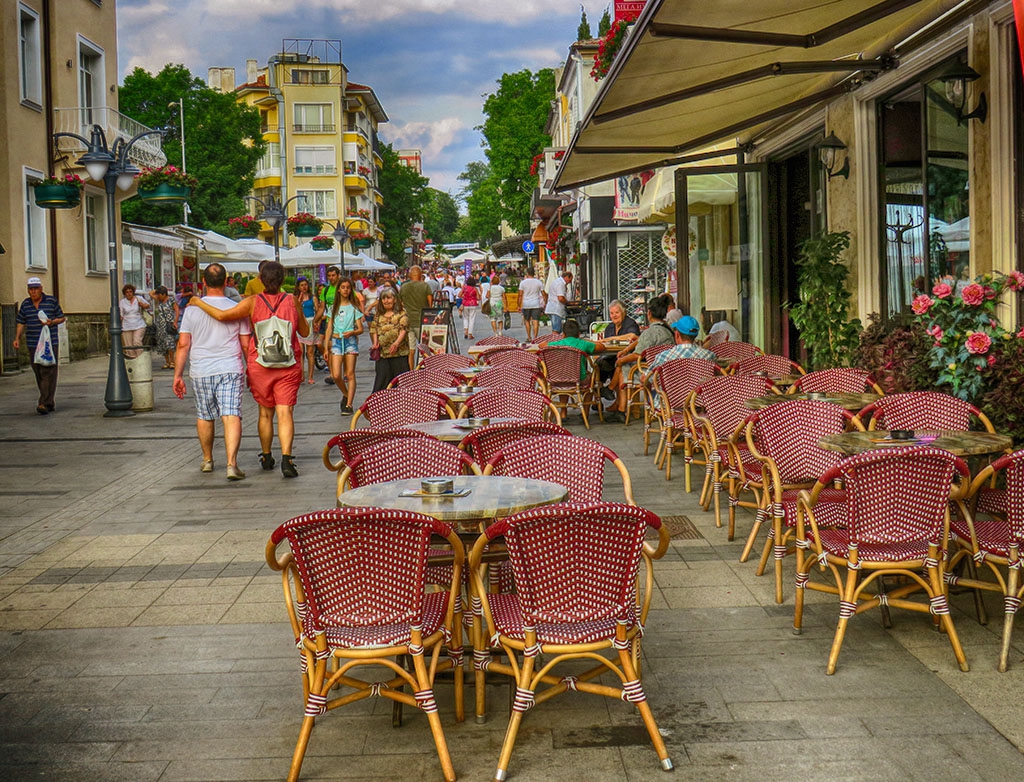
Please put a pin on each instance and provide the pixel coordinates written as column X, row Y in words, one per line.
column 60, row 74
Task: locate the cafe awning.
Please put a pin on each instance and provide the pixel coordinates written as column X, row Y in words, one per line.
column 695, row 73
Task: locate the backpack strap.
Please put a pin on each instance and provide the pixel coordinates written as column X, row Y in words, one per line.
column 273, row 309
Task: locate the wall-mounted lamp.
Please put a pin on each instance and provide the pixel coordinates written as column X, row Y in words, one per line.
column 958, row 77
column 829, row 150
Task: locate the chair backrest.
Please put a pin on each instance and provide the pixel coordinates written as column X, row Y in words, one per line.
column 897, row 496
column 455, row 361
column 360, row 566
column 351, row 444
column 722, row 401
column 576, row 562
column 509, row 403
column 405, row 458
column 517, row 378
column 562, row 364
column 736, row 350
column 923, row 410
column 543, row 339
column 574, row 462
column 774, row 366
column 1010, row 500
column 486, row 441
column 651, row 352
column 716, row 338
column 394, row 408
column 428, row 378
column 498, row 339
column 677, row 379
column 788, row 434
column 837, row 380
column 511, row 356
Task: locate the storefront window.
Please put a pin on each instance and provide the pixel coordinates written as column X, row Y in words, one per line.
column 926, row 180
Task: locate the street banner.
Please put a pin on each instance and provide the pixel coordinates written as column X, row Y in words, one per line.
column 628, row 10
column 629, row 188
column 1018, row 13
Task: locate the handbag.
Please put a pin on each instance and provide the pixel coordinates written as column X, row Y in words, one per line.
column 375, row 353
column 486, row 309
column 147, row 316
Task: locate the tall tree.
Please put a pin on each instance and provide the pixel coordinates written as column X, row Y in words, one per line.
column 583, row 32
column 223, row 144
column 405, row 196
column 605, row 24
column 513, row 129
column 440, row 216
column 480, row 194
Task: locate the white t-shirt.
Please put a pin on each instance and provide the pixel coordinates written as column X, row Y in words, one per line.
column 484, row 287
column 531, row 288
column 496, row 292
column 555, row 289
column 724, row 325
column 215, row 347
column 131, row 314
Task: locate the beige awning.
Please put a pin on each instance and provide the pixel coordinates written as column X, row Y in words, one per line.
column 695, row 73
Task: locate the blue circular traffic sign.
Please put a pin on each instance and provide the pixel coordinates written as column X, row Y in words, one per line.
column 527, row 246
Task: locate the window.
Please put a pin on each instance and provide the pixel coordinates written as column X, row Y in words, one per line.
column 314, row 118
column 310, row 76
column 36, row 256
column 269, row 164
column 29, row 59
column 315, row 160
column 95, row 211
column 318, row 202
column 926, row 196
column 91, row 82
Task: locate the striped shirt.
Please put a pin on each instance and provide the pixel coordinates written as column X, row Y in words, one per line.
column 28, row 316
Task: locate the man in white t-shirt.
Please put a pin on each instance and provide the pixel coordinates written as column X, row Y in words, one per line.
column 531, row 302
column 216, row 353
column 557, row 296
column 724, row 325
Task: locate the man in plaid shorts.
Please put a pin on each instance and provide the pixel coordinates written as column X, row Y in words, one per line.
column 217, row 368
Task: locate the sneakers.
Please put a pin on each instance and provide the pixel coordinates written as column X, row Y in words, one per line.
column 234, row 474
column 267, row 461
column 607, row 393
column 207, row 466
column 345, row 409
column 288, row 467
column 329, row 380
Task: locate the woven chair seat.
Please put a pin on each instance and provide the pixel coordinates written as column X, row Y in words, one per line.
column 831, row 510
column 508, row 619
column 381, row 636
column 993, row 535
column 751, row 465
column 837, row 543
column 992, row 501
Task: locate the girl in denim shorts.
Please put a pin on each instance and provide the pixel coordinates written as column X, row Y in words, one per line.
column 346, row 326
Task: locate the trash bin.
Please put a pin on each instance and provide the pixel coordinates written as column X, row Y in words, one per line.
column 140, row 378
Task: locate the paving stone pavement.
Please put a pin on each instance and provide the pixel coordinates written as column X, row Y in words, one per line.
column 142, row 636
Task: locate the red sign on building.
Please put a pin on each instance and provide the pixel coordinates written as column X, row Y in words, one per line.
column 628, row 10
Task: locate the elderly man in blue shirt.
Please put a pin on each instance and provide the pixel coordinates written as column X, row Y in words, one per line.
column 38, row 310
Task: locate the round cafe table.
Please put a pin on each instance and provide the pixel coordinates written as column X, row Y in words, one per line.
column 490, row 497
column 957, row 443
column 452, row 430
column 453, row 393
column 844, row 400
column 478, row 350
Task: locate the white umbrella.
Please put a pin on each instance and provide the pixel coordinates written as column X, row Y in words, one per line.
column 255, row 250
column 305, row 255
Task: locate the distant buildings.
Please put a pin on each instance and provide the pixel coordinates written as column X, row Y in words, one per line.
column 413, row 158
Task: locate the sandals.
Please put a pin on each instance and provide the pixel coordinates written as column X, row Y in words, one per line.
column 288, row 469
column 267, row 461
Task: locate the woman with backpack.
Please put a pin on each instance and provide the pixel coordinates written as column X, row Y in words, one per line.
column 344, row 327
column 273, row 360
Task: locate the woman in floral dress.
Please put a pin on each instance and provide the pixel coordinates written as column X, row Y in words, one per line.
column 165, row 321
column 388, row 331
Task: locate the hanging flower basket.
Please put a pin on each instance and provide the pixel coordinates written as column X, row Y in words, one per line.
column 167, row 185
column 59, row 192
column 366, row 241
column 305, row 224
column 322, row 242
column 242, row 227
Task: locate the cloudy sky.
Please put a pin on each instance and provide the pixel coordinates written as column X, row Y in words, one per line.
column 429, row 61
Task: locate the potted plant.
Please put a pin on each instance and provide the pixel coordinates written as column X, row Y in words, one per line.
column 305, row 224
column 511, row 295
column 244, row 226
column 322, row 242
column 64, row 192
column 165, row 185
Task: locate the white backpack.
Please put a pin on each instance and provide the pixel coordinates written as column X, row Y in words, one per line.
column 274, row 339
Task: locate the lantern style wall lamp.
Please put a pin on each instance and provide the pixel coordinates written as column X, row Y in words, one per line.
column 958, row 77
column 829, row 150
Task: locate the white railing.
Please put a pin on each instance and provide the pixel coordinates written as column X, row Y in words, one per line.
column 147, row 152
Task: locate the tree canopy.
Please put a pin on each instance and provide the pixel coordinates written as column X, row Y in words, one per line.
column 480, row 194
column 405, row 198
column 605, row 24
column 583, row 32
column 223, row 144
column 440, row 216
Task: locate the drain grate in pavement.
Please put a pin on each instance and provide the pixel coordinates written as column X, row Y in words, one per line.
column 681, row 528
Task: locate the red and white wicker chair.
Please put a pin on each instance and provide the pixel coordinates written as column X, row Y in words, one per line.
column 576, row 570
column 405, row 458
column 839, row 380
column 565, row 387
column 637, row 390
column 771, row 365
column 507, row 403
column 511, row 356
column 483, row 443
column 497, row 339
column 735, row 350
column 450, row 361
column 784, row 438
column 513, row 377
column 993, row 535
column 896, row 524
column 351, row 444
column 394, row 408
column 543, row 339
column 717, row 338
column 924, row 410
column 354, row 590
column 717, row 411
column 672, row 384
column 428, row 378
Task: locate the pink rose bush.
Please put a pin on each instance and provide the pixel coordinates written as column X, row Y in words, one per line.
column 973, row 295
column 921, row 304
column 978, row 343
column 942, row 290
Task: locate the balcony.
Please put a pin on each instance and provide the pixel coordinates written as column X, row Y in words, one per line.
column 313, row 128
column 147, row 152
column 378, row 196
column 355, row 182
column 354, row 135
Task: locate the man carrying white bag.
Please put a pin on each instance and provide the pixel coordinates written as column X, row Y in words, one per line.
column 35, row 318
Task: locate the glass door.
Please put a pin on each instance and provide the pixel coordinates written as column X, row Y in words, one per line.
column 721, row 219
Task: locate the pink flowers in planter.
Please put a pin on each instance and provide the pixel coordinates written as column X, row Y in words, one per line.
column 942, row 290
column 973, row 294
column 921, row 304
column 978, row 342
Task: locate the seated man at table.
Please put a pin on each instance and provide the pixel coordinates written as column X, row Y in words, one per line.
column 686, row 330
column 614, row 341
column 571, row 339
column 657, row 333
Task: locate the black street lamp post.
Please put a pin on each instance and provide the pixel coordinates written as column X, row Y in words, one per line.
column 274, row 215
column 110, row 165
column 341, row 235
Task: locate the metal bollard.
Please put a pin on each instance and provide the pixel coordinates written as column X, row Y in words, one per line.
column 140, row 378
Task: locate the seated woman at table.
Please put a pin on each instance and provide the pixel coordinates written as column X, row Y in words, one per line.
column 621, row 328
column 657, row 333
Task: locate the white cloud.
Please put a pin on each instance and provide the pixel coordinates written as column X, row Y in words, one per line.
column 430, row 137
column 356, row 12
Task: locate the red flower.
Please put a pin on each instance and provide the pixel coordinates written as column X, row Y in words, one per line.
column 921, row 304
column 936, row 333
column 989, row 293
column 942, row 290
column 991, row 359
column 979, row 342
column 1015, row 280
column 973, row 294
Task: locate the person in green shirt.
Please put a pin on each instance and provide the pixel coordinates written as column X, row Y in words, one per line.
column 571, row 339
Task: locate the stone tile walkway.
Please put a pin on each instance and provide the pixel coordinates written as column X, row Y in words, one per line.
column 142, row 636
